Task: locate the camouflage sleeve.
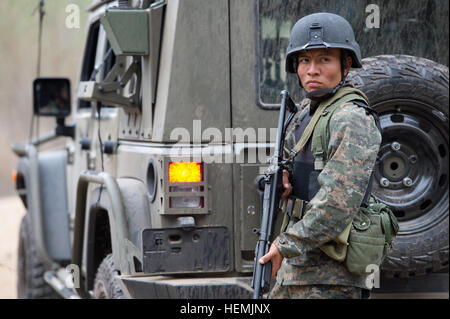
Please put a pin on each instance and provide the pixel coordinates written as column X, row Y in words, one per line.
column 353, row 146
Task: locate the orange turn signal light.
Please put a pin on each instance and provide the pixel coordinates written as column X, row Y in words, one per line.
column 14, row 176
column 184, row 172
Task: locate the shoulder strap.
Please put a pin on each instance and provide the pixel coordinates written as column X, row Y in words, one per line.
column 342, row 96
column 371, row 111
column 319, row 146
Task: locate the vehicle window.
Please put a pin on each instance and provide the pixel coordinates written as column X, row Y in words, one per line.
column 90, row 61
column 416, row 27
column 90, row 52
column 110, row 60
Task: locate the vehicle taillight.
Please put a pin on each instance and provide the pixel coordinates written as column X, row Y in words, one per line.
column 186, row 201
column 14, row 176
column 189, row 195
column 185, row 172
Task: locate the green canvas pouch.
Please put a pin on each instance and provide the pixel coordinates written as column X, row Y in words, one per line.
column 366, row 240
column 371, row 235
column 366, row 243
column 337, row 249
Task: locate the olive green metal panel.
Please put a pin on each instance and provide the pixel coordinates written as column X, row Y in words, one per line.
column 247, row 115
column 127, row 31
column 245, row 110
column 247, row 211
column 193, row 80
column 150, row 66
column 247, row 208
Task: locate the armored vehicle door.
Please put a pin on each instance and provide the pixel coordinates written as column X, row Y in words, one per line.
column 255, row 121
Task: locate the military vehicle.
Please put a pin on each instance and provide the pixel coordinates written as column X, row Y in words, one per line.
column 157, row 192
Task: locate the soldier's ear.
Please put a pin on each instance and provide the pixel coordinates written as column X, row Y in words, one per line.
column 348, row 64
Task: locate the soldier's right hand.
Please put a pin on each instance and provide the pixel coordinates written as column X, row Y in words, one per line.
column 276, row 258
column 286, row 184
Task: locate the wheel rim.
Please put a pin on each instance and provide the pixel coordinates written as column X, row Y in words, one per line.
column 412, row 175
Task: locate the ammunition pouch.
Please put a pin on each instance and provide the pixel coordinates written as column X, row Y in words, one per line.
column 366, row 240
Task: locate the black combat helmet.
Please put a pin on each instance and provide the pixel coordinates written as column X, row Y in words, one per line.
column 321, row 31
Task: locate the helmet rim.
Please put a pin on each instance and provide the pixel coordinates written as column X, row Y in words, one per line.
column 356, row 63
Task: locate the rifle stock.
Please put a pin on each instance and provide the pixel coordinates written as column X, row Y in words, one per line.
column 272, row 193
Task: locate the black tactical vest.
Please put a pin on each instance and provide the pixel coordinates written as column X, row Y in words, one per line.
column 304, row 181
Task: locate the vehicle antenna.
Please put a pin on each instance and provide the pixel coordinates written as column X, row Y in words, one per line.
column 39, row 7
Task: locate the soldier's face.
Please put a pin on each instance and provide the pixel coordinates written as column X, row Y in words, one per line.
column 320, row 68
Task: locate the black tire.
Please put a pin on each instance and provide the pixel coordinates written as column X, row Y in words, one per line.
column 411, row 95
column 30, row 281
column 106, row 285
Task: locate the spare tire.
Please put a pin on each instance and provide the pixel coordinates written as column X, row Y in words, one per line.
column 412, row 98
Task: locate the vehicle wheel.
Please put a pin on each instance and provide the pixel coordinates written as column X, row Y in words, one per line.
column 30, row 281
column 106, row 285
column 411, row 97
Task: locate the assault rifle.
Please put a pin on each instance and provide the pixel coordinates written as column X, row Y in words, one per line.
column 273, row 189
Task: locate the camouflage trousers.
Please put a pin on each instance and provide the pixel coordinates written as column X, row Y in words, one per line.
column 315, row 292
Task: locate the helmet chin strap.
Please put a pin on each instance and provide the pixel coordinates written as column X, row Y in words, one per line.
column 327, row 93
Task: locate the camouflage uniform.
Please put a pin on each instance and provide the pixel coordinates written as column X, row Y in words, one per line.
column 353, row 146
column 315, row 292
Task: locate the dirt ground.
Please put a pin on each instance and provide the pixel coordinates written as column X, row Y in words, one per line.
column 11, row 213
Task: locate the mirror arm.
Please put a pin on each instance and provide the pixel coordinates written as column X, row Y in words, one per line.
column 60, row 130
column 21, row 148
column 63, row 130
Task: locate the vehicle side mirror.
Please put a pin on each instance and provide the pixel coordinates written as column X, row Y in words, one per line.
column 51, row 97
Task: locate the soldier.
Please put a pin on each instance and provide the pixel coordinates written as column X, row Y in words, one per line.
column 330, row 183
